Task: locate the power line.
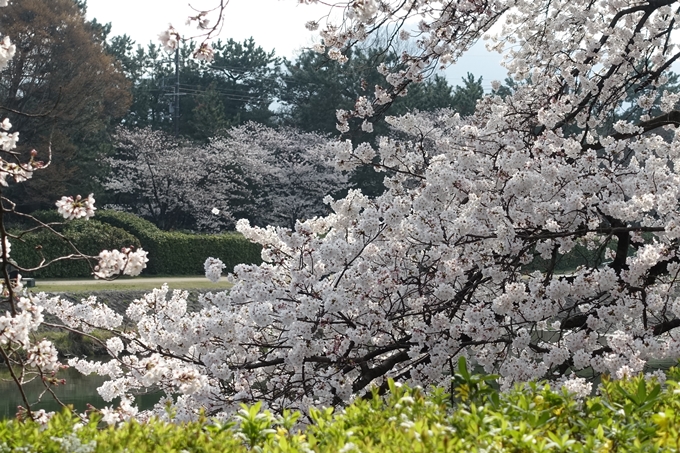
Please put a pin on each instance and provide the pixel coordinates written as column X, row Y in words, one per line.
column 229, row 96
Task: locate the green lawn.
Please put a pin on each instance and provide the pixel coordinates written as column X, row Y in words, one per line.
column 139, row 284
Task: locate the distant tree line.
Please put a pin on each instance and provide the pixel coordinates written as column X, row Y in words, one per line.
column 84, row 94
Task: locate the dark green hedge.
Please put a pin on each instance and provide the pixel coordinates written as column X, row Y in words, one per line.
column 170, row 253
column 175, row 253
column 89, row 237
column 48, row 216
column 129, row 222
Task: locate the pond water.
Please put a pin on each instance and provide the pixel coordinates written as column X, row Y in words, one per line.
column 78, row 391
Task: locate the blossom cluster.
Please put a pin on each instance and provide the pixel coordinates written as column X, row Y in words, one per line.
column 126, row 261
column 170, row 40
column 213, row 269
column 16, row 329
column 10, row 166
column 7, row 49
column 76, row 208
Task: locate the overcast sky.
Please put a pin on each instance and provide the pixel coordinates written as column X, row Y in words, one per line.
column 273, row 24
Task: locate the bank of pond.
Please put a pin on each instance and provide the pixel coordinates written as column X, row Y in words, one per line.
column 77, row 390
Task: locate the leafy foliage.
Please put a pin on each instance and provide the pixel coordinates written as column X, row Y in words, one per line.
column 238, row 86
column 632, row 416
column 174, row 253
column 88, row 238
column 316, row 86
column 465, row 97
column 63, row 91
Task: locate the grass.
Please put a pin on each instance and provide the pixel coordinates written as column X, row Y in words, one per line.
column 136, row 284
column 71, row 344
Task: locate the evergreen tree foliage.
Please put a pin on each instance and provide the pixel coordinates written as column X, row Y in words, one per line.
column 239, row 85
column 465, row 97
column 63, row 89
column 315, row 87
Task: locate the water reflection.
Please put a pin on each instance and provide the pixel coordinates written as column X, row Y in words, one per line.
column 78, row 391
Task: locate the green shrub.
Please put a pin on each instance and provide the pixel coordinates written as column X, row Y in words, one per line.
column 175, row 253
column 631, row 416
column 48, row 216
column 60, row 436
column 88, row 236
column 170, row 253
column 134, row 225
column 184, row 254
column 15, row 221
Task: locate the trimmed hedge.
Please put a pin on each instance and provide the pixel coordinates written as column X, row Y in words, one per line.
column 48, row 216
column 631, row 416
column 170, row 253
column 89, row 236
column 175, row 253
column 129, row 222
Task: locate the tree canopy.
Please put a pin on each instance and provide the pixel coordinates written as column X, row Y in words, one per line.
column 61, row 88
column 237, row 86
column 315, row 86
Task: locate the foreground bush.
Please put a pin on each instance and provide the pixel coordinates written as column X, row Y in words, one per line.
column 631, row 416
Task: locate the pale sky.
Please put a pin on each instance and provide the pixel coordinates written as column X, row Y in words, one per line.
column 274, row 25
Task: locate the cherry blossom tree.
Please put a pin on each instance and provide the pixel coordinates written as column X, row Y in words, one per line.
column 289, row 172
column 24, row 354
column 171, row 182
column 267, row 175
column 437, row 267
column 442, row 265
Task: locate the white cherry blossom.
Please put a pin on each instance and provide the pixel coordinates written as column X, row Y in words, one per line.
column 76, row 208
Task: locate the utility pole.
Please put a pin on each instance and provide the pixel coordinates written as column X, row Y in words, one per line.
column 175, row 118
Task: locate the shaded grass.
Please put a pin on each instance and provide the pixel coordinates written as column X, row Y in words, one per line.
column 71, row 344
column 54, row 286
